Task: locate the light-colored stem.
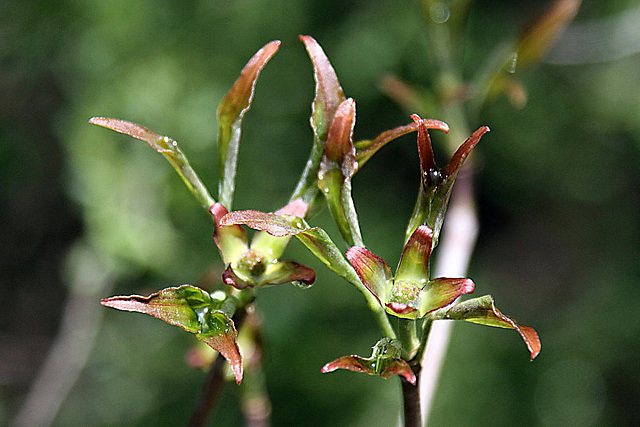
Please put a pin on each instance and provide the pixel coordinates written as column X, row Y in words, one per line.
column 455, row 249
column 68, row 355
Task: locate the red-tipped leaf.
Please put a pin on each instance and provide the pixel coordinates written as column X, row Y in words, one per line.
column 483, row 311
column 193, row 310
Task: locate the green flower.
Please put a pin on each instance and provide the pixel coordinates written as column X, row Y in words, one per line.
column 257, row 264
column 409, row 294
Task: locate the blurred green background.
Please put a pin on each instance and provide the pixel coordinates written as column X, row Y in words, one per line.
column 89, row 213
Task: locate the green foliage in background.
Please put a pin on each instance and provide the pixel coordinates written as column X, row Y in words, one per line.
column 558, row 195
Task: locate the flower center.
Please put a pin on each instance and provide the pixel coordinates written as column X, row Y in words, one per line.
column 405, row 293
column 252, row 262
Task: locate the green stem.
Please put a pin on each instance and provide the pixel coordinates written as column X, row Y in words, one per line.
column 180, row 163
column 307, row 187
column 408, row 337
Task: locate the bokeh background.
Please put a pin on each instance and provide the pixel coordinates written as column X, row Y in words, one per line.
column 86, row 213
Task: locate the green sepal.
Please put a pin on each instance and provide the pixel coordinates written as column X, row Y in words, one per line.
column 410, row 294
column 230, row 114
column 338, row 166
column 168, row 148
column 385, row 361
column 195, row 311
column 231, row 240
column 483, row 311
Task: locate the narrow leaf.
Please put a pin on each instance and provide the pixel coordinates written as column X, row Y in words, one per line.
column 273, row 247
column 276, row 225
column 168, row 148
column 482, row 310
column 288, row 271
column 385, row 368
column 230, row 113
column 461, row 154
column 425, row 150
column 222, row 336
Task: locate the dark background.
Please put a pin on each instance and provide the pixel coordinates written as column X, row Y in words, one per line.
column 85, row 211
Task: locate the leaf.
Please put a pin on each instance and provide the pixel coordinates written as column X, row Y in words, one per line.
column 328, row 96
column 288, row 271
column 273, row 246
column 443, row 291
column 230, row 114
column 193, row 310
column 168, row 148
column 451, row 170
column 336, row 169
column 483, row 311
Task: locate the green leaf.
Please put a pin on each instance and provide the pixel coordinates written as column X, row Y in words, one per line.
column 328, row 96
column 483, row 311
column 336, row 169
column 230, row 113
column 195, row 311
column 168, row 148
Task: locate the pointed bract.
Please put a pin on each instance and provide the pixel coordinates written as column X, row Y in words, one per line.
column 329, row 94
column 230, row 113
column 367, row 148
column 414, row 263
column 336, row 169
column 373, row 271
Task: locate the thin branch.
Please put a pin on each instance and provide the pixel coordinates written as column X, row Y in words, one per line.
column 81, row 319
column 411, row 400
